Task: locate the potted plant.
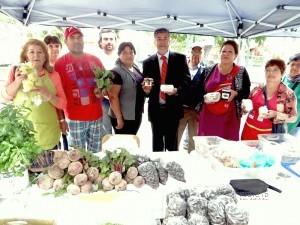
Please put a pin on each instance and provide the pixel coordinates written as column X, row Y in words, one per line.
column 18, row 147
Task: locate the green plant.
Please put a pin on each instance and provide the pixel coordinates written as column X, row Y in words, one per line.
column 103, row 78
column 17, row 143
column 116, row 160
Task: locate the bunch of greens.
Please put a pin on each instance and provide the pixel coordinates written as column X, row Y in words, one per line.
column 103, row 79
column 18, row 146
column 116, row 160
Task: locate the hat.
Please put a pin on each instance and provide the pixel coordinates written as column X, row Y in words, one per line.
column 294, row 58
column 196, row 44
column 72, row 30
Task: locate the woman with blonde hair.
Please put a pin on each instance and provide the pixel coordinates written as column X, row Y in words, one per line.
column 43, row 115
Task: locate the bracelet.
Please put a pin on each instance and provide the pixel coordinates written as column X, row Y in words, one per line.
column 63, row 120
column 48, row 99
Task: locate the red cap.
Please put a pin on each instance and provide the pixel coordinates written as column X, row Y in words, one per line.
column 72, row 30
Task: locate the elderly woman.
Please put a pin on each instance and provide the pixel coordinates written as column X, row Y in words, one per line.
column 276, row 99
column 43, row 116
column 292, row 80
column 126, row 95
column 218, row 95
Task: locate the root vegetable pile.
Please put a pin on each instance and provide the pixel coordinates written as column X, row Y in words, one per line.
column 79, row 171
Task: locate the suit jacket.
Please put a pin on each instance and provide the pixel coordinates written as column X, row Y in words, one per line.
column 177, row 74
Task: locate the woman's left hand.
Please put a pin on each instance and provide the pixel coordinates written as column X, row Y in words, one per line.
column 42, row 91
column 270, row 114
column 233, row 94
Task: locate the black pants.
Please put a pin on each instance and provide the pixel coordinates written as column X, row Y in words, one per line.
column 164, row 133
column 130, row 126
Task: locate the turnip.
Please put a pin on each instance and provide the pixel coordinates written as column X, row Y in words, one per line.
column 63, row 161
column 92, row 173
column 57, row 154
column 132, row 172
column 45, row 182
column 139, row 181
column 55, row 172
column 87, row 187
column 98, row 180
column 74, row 155
column 121, row 186
column 80, row 179
column 75, row 168
column 128, row 180
column 115, row 178
column 106, row 185
column 58, row 184
column 73, row 189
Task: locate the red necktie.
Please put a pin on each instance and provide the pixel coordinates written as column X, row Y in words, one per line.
column 163, row 75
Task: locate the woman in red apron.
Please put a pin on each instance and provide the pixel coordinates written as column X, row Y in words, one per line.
column 278, row 98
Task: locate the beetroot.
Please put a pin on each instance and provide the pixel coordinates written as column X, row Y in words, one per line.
column 73, row 189
column 80, row 179
column 87, row 187
column 139, row 181
column 132, row 172
column 55, row 172
column 121, row 186
column 115, row 178
column 75, row 168
column 106, row 185
column 98, row 180
column 63, row 160
column 128, row 180
column 92, row 173
column 45, row 182
column 74, row 155
column 58, row 184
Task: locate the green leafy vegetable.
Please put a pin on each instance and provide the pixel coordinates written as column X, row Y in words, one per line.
column 103, row 79
column 18, row 146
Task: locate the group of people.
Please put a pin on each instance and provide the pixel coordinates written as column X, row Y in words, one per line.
column 184, row 96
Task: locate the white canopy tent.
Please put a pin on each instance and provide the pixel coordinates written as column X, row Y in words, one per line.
column 226, row 18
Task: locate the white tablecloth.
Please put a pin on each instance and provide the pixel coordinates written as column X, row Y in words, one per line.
column 142, row 206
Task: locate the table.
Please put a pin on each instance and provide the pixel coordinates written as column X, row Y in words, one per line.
column 142, row 206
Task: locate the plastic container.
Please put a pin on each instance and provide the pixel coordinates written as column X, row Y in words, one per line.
column 287, row 144
column 205, row 144
column 231, row 155
column 240, row 173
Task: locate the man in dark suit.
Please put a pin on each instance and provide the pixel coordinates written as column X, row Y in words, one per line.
column 165, row 109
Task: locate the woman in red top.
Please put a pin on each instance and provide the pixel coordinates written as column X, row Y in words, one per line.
column 281, row 103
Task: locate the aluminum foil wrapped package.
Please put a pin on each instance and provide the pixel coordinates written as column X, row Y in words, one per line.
column 210, row 194
column 182, row 193
column 228, row 190
column 176, row 207
column 216, row 213
column 175, row 171
column 195, row 192
column 162, row 172
column 140, row 159
column 236, row 215
column 224, row 200
column 196, row 219
column 176, row 220
column 148, row 171
column 196, row 205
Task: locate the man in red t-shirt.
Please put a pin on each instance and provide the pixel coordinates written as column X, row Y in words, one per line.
column 83, row 111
